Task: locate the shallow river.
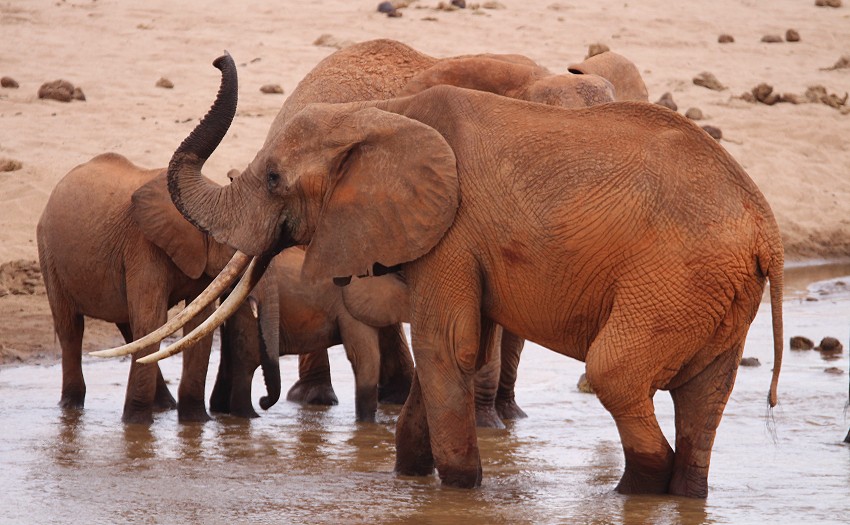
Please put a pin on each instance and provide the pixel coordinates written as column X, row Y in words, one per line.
column 309, row 465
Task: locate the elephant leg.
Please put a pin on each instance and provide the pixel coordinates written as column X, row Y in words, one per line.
column 361, row 346
column 148, row 311
column 622, row 379
column 413, row 441
column 191, row 393
column 314, row 381
column 487, row 377
column 220, row 396
column 163, row 400
column 699, row 405
column 506, row 405
column 396, row 365
column 69, row 331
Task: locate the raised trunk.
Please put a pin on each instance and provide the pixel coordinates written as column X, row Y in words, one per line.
column 220, row 211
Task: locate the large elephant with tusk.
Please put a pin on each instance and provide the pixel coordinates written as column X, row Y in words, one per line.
column 621, row 235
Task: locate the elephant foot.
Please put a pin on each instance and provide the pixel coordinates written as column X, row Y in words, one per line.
column 646, row 475
column 72, row 401
column 463, row 478
column 220, row 402
column 486, row 417
column 691, row 483
column 133, row 416
column 192, row 412
column 243, row 411
column 394, row 393
column 308, row 393
column 164, row 400
column 847, row 438
column 508, row 409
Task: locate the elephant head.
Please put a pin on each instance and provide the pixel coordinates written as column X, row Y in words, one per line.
column 515, row 79
column 366, row 190
column 192, row 252
column 617, row 69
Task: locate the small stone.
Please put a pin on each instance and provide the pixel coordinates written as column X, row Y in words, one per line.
column 725, row 39
column 694, row 114
column 715, row 132
column 584, row 385
column 764, row 94
column 60, row 90
column 493, row 5
column 798, row 342
column 9, row 165
column 792, row 35
column 771, row 39
column 596, row 49
column 9, row 82
column 750, row 361
column 843, row 63
column 708, row 80
column 386, row 7
column 272, row 89
column 834, row 370
column 830, row 345
column 666, row 100
column 460, row 4
column 164, row 83
column 828, row 3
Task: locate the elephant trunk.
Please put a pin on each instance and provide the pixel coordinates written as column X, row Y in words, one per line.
column 269, row 338
column 216, row 210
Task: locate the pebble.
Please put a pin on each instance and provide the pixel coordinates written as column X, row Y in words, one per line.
column 694, row 114
column 9, row 165
column 714, row 131
column 60, row 90
column 828, row 3
column 272, row 89
column 165, row 83
column 750, row 361
column 9, row 82
column 725, row 39
column 708, row 80
column 792, row 35
column 666, row 100
column 831, row 345
column 771, row 39
column 798, row 342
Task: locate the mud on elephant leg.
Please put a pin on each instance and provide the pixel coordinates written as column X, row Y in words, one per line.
column 396, row 365
column 163, row 399
column 314, row 381
column 191, row 399
column 699, row 405
column 506, row 405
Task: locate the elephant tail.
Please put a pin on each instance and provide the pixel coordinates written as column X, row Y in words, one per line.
column 772, row 265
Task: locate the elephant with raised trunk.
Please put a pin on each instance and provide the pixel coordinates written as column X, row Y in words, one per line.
column 113, row 247
column 621, row 235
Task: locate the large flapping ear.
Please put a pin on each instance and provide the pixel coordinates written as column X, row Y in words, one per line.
column 482, row 73
column 619, row 70
column 378, row 301
column 162, row 224
column 391, row 195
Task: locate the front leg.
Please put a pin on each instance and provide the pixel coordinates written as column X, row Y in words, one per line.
column 487, row 377
column 445, row 329
column 506, row 404
column 196, row 359
column 314, row 381
column 361, row 346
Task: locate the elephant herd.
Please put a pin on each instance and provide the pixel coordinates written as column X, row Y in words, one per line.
column 483, row 200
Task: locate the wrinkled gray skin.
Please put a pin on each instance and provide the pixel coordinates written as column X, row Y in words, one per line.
column 113, row 247
column 382, row 69
column 311, row 318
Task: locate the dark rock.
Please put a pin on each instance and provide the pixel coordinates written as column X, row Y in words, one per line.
column 830, row 345
column 834, row 370
column 828, row 3
column 725, row 39
column 750, row 361
column 165, row 83
column 798, row 342
column 386, row 7
column 771, row 39
column 60, row 90
column 708, row 80
column 764, row 94
column 9, row 82
column 459, row 4
column 666, row 100
column 792, row 35
column 715, row 132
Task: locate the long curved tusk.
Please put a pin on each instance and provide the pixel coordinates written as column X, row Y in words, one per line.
column 228, row 307
column 224, row 279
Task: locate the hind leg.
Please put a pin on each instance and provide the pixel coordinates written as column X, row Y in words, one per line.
column 314, row 381
column 396, row 365
column 163, row 400
column 196, row 359
column 699, row 405
column 621, row 369
column 487, row 376
column 506, row 404
column 69, row 331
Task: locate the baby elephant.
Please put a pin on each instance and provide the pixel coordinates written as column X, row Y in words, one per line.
column 312, row 318
column 112, row 246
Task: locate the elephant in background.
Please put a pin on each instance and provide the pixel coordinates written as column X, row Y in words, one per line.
column 112, row 246
column 311, row 317
column 623, row 236
column 382, row 69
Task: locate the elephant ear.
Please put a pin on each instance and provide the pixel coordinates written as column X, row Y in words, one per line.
column 392, row 195
column 481, row 73
column 617, row 69
column 378, row 301
column 162, row 224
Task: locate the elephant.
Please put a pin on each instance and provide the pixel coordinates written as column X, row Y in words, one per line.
column 126, row 257
column 311, row 318
column 621, row 235
column 381, row 69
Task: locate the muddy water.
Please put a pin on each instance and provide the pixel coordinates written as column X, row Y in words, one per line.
column 305, row 465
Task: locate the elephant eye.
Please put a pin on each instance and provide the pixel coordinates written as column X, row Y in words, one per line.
column 273, row 179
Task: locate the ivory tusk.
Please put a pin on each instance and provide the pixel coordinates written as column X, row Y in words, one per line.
column 224, row 279
column 252, row 275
